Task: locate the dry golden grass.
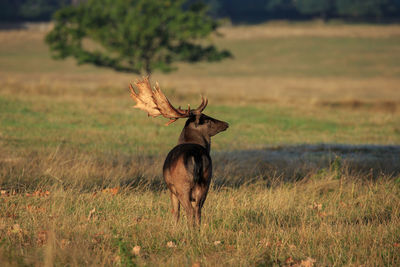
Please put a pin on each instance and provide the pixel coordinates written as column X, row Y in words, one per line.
column 285, row 29
column 325, row 220
column 293, row 76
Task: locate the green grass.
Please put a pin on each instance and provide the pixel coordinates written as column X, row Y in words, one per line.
column 307, row 172
column 89, row 127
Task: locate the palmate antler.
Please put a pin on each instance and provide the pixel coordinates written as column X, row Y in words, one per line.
column 155, row 103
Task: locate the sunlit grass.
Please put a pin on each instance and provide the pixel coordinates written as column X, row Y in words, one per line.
column 109, row 123
column 329, row 221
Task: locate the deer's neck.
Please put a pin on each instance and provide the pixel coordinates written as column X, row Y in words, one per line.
column 193, row 136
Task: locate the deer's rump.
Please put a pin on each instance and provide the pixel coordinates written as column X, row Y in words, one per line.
column 187, row 165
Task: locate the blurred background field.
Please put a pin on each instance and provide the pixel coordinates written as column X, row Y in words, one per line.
column 308, row 172
column 289, row 84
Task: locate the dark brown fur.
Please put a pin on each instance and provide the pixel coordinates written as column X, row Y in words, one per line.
column 188, row 167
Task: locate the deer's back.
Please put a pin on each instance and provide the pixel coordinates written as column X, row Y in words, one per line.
column 187, row 165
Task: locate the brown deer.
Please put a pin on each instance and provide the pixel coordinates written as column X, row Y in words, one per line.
column 187, row 169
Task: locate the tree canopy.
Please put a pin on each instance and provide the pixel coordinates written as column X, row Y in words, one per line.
column 261, row 10
column 321, row 8
column 32, row 10
column 235, row 10
column 134, row 35
column 368, row 8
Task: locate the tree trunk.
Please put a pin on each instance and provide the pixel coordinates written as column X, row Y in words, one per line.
column 147, row 67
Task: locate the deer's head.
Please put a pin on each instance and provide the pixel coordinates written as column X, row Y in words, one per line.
column 155, row 103
column 206, row 124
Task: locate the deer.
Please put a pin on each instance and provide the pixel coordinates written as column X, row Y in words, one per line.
column 187, row 169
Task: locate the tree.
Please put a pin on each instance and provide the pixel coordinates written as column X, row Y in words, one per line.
column 368, row 8
column 133, row 35
column 320, row 8
column 32, row 10
column 282, row 9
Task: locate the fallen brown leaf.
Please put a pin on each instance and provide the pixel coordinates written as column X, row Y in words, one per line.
column 216, row 243
column 171, row 244
column 112, row 191
column 136, row 250
column 316, row 206
column 309, row 262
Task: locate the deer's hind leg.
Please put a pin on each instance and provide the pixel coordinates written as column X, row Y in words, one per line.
column 199, row 196
column 175, row 207
column 184, row 199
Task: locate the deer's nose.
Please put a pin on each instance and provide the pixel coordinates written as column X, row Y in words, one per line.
column 226, row 126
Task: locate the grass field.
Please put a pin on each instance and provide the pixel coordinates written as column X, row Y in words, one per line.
column 307, row 174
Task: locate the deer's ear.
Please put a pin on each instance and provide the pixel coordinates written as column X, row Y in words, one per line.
column 197, row 120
